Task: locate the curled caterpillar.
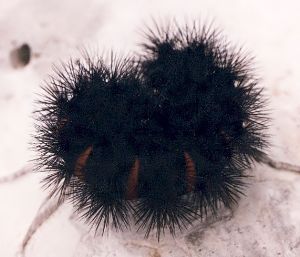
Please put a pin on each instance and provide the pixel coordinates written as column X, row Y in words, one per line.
column 162, row 140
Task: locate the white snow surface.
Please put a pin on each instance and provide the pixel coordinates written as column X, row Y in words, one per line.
column 267, row 220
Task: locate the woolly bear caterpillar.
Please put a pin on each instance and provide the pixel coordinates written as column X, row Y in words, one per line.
column 161, row 140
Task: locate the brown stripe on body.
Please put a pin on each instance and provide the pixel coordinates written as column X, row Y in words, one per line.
column 132, row 182
column 81, row 162
column 191, row 175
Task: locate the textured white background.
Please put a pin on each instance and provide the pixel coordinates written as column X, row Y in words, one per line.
column 267, row 221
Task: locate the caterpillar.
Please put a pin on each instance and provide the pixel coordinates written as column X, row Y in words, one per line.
column 161, row 139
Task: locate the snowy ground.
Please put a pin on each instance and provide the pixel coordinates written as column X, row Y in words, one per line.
column 267, row 221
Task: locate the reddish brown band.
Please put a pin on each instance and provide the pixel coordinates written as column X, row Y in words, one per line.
column 132, row 183
column 190, row 173
column 81, row 162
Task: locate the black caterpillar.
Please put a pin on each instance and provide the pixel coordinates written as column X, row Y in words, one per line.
column 162, row 139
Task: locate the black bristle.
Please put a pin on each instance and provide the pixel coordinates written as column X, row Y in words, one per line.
column 163, row 140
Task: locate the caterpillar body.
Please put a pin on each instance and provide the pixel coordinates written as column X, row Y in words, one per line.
column 163, row 139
